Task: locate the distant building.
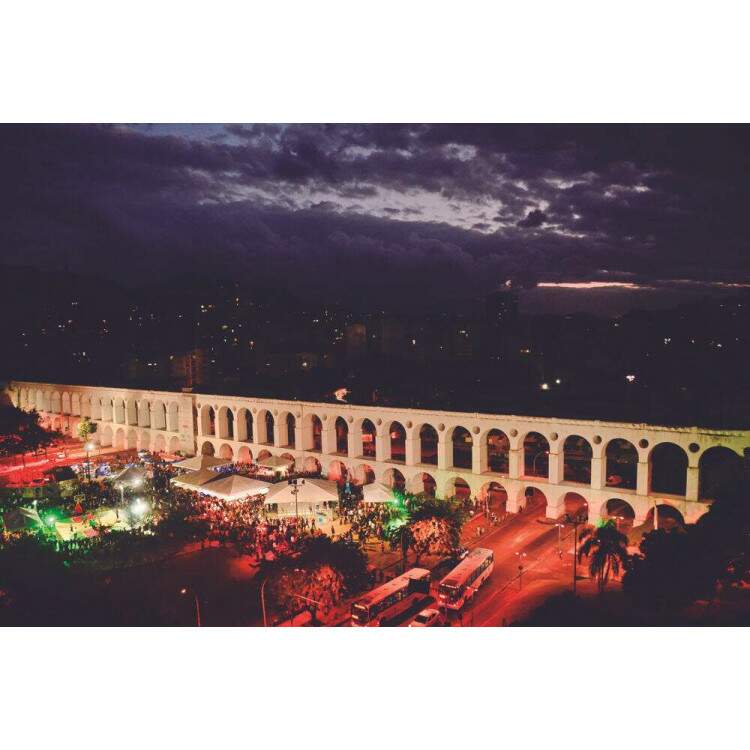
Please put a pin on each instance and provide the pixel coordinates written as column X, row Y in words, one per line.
column 189, row 369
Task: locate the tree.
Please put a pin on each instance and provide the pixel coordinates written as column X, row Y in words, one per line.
column 86, row 428
column 607, row 550
column 21, row 431
column 400, row 536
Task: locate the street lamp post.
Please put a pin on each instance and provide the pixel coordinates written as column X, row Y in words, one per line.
column 263, row 600
column 560, row 527
column 520, row 556
column 184, row 591
column 88, row 447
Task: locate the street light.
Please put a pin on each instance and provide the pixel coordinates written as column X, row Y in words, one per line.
column 520, row 556
column 560, row 527
column 88, row 448
column 184, row 591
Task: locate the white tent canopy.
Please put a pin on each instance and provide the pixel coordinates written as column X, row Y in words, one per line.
column 378, row 493
column 196, row 463
column 276, row 462
column 131, row 475
column 309, row 492
column 234, row 487
column 195, row 479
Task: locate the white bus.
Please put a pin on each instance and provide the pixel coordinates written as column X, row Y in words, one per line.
column 466, row 578
column 392, row 598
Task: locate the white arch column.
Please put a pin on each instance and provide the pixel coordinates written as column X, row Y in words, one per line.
column 411, row 446
column 641, row 484
column 328, row 438
column 443, row 451
column 692, row 484
column 382, row 443
column 478, row 455
column 515, row 462
column 556, row 465
column 598, row 472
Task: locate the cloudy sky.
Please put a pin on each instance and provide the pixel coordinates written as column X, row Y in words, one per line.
column 589, row 217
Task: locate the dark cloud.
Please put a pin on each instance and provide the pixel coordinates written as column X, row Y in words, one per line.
column 372, row 207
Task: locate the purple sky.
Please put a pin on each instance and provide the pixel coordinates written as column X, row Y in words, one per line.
column 584, row 217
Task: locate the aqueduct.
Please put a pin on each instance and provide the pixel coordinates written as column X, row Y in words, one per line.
column 604, row 467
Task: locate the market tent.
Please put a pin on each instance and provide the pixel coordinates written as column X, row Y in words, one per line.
column 195, row 479
column 130, row 476
column 378, row 493
column 234, row 487
column 276, row 462
column 21, row 519
column 196, row 463
column 309, row 492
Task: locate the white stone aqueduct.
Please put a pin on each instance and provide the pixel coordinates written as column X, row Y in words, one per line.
column 451, row 451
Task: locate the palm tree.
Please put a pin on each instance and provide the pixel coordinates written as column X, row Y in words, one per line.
column 607, row 551
column 401, row 537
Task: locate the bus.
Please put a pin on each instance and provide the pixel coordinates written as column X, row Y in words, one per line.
column 390, row 599
column 466, row 578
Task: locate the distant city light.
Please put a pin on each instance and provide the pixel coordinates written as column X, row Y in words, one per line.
column 558, row 381
column 630, row 378
column 545, row 386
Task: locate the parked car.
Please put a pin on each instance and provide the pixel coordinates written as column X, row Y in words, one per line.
column 426, row 618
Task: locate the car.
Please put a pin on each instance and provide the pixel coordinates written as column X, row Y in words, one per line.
column 426, row 618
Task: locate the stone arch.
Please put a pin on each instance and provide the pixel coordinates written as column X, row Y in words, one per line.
column 718, row 467
column 65, row 403
column 573, row 505
column 668, row 518
column 144, row 440
column 264, row 427
column 363, row 474
column 369, row 438
column 158, row 416
column 531, row 498
column 105, row 436
column 312, row 432
column 397, row 442
column 535, row 455
column 428, row 445
column 226, row 423
column 131, row 412
column 226, row 452
column 423, row 483
column 577, row 455
column 289, row 425
column 668, row 465
column 394, row 479
column 207, row 449
column 311, row 465
column 337, row 472
column 462, row 444
column 264, row 454
column 160, row 444
column 622, row 464
column 495, row 495
column 498, row 451
column 56, row 403
column 174, row 444
column 118, row 410
column 132, row 439
column 173, row 417
column 75, row 405
column 341, row 429
column 457, row 487
column 57, row 424
column 119, row 441
column 244, row 455
column 208, row 420
column 621, row 512
column 244, row 425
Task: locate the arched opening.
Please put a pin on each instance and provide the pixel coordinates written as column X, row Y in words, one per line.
column 423, row 484
column 244, row 455
column 719, row 468
column 56, row 407
column 342, row 436
column 208, row 420
column 668, row 469
column 462, row 445
column 316, row 434
column 395, row 479
column 363, row 474
column 577, row 455
column 160, row 444
column 226, row 423
column 621, row 513
column 575, row 507
column 535, row 455
column 428, row 445
column 244, row 426
column 174, row 445
column 144, row 440
column 132, row 439
column 57, row 424
column 368, row 439
column 269, row 421
column 337, row 472
column 458, row 488
column 397, row 435
column 291, row 431
column 207, row 449
column 533, row 500
column 120, row 439
column 65, row 404
column 668, row 518
column 158, row 416
column 173, row 417
column 226, row 452
column 622, row 464
column 498, row 452
column 495, row 496
column 311, row 465
column 263, row 455
column 105, row 436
